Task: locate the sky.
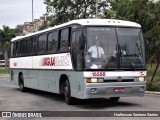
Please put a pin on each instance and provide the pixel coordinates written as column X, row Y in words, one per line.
column 15, row 12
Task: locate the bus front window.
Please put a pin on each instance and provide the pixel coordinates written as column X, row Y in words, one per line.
column 101, row 43
column 114, row 48
column 131, row 41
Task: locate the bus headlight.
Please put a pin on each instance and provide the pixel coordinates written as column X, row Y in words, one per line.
column 142, row 78
column 94, row 80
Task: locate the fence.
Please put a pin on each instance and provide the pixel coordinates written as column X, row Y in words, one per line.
column 2, row 63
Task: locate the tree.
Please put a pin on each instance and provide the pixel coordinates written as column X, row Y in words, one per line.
column 6, row 34
column 144, row 12
column 66, row 10
column 43, row 26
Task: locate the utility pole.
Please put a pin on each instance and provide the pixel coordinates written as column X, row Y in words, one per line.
column 32, row 12
column 96, row 9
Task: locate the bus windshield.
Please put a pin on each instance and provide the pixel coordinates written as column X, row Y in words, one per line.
column 114, row 48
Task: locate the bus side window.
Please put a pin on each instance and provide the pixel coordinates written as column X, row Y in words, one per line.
column 52, row 41
column 24, row 47
column 13, row 50
column 30, row 45
column 49, row 40
column 26, row 42
column 41, row 44
column 34, row 49
column 64, row 39
column 16, row 51
column 55, row 41
column 18, row 48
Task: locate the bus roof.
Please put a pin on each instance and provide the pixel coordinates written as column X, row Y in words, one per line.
column 87, row 22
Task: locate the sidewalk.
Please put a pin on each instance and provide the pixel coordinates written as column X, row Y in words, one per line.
column 152, row 92
column 3, row 75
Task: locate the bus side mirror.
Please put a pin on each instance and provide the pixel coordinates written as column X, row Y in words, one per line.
column 81, row 43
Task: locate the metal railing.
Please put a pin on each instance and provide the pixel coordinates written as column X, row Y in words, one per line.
column 2, row 63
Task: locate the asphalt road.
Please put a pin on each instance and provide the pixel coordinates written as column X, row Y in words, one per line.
column 11, row 99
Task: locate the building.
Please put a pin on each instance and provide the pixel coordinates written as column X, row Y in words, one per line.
column 30, row 27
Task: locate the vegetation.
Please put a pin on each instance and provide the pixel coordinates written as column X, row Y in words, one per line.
column 3, row 71
column 6, row 34
column 155, row 84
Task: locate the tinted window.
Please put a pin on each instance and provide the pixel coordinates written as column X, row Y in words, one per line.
column 73, row 40
column 33, row 45
column 13, row 49
column 52, row 41
column 26, row 42
column 30, row 45
column 20, row 48
column 42, row 43
column 64, row 44
column 34, row 49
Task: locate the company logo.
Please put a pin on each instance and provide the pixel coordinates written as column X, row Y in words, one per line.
column 15, row 63
column 119, row 79
column 56, row 61
column 141, row 73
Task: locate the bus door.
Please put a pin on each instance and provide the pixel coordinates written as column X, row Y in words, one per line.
column 77, row 52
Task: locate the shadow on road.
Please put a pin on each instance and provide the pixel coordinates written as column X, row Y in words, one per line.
column 93, row 104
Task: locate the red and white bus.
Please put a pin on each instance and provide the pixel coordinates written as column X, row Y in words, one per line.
column 58, row 60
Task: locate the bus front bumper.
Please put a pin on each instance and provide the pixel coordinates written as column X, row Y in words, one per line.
column 104, row 90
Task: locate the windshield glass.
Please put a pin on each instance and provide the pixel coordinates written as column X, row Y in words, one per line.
column 114, row 48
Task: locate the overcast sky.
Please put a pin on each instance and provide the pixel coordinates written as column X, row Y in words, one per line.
column 14, row 12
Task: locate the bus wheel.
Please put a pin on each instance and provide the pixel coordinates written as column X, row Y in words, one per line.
column 21, row 83
column 114, row 99
column 67, row 93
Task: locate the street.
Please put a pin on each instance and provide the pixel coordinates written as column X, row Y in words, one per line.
column 11, row 99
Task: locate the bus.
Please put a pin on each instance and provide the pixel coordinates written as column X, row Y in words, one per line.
column 58, row 60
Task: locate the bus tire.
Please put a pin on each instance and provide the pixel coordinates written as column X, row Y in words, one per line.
column 114, row 99
column 67, row 93
column 21, row 83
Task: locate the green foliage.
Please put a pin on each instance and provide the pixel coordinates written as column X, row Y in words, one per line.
column 154, row 86
column 3, row 71
column 6, row 34
column 43, row 26
column 144, row 12
column 150, row 71
column 66, row 10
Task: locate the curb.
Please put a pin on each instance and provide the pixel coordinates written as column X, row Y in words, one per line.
column 152, row 92
column 4, row 74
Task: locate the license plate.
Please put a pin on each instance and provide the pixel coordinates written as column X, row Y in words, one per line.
column 119, row 90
